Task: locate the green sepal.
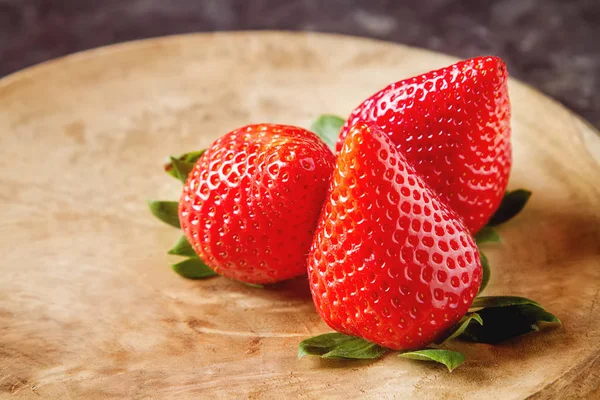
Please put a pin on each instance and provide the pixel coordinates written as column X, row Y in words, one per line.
column 487, row 235
column 183, row 248
column 328, row 128
column 193, row 268
column 503, row 323
column 166, row 211
column 192, row 156
column 501, row 301
column 180, row 167
column 338, row 345
column 460, row 327
column 486, row 271
column 512, row 204
column 451, row 359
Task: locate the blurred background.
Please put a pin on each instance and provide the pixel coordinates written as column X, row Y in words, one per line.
column 553, row 45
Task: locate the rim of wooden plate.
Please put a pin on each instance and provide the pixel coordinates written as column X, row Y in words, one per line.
column 134, row 45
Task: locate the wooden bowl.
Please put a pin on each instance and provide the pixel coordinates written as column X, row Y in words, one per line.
column 89, row 307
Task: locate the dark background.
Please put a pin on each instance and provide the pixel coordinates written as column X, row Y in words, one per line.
column 553, row 45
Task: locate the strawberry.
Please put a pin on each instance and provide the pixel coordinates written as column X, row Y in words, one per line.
column 390, row 262
column 250, row 205
column 453, row 126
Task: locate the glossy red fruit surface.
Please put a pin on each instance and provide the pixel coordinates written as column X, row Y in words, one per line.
column 453, row 126
column 250, row 205
column 389, row 262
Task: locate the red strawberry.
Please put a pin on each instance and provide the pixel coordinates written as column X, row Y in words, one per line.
column 390, row 262
column 453, row 126
column 250, row 205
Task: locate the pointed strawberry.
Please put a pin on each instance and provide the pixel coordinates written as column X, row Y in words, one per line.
column 453, row 125
column 390, row 262
column 250, row 205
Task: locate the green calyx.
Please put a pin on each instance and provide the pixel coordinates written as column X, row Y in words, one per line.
column 182, row 248
column 512, row 204
column 485, row 271
column 193, row 268
column 337, row 345
column 461, row 327
column 340, row 346
column 167, row 211
column 501, row 301
column 328, row 128
column 505, row 317
column 180, row 167
column 502, row 323
column 487, row 235
column 451, row 359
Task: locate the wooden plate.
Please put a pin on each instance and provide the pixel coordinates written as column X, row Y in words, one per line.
column 89, row 307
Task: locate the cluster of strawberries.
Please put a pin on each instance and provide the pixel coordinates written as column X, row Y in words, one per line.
column 385, row 227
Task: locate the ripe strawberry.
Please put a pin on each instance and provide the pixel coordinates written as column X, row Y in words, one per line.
column 250, row 205
column 453, row 126
column 390, row 262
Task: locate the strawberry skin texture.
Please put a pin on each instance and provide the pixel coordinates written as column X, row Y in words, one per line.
column 390, row 262
column 453, row 125
column 250, row 205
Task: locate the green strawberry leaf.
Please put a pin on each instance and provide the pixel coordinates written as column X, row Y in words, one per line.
column 180, row 167
column 166, row 211
column 193, row 268
column 460, row 327
column 503, row 323
column 512, row 204
column 328, row 128
column 502, row 301
column 192, row 156
column 183, row 248
column 486, row 271
column 487, row 235
column 337, row 345
column 451, row 359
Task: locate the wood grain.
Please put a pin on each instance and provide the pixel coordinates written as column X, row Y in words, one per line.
column 90, row 309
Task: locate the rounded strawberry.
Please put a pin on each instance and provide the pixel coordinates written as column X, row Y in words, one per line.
column 250, row 205
column 453, row 125
column 390, row 262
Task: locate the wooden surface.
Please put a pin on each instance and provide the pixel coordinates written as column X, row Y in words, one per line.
column 90, row 309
